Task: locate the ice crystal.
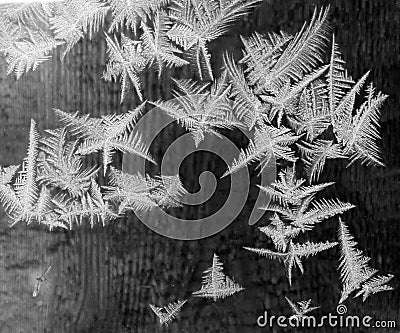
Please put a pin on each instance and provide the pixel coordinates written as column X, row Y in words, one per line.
column 216, row 284
column 137, row 192
column 107, row 134
column 167, row 313
column 198, row 22
column 355, row 273
column 201, row 110
column 294, row 254
column 301, row 309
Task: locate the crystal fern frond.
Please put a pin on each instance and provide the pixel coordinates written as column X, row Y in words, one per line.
column 294, row 254
column 167, row 191
column 31, row 31
column 247, row 106
column 361, row 139
column 10, row 33
column 90, row 206
column 301, row 54
column 270, row 142
column 137, row 192
column 108, row 134
column 126, row 60
column 198, row 22
column 355, row 273
column 356, row 136
column 28, row 53
column 25, row 185
column 314, row 156
column 167, row 313
column 131, row 12
column 288, row 189
column 342, row 91
column 201, row 110
column 296, row 202
column 216, row 284
column 26, row 13
column 295, row 211
column 20, row 199
column 306, row 218
column 285, row 100
column 8, row 197
column 43, row 210
column 341, row 117
column 160, row 50
column 285, row 84
column 300, row 309
column 73, row 19
column 132, row 192
column 7, row 174
column 338, row 82
column 312, row 115
column 375, row 285
column 280, row 232
column 260, row 54
column 61, row 166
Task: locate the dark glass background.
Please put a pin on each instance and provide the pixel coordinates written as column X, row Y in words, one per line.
column 103, row 279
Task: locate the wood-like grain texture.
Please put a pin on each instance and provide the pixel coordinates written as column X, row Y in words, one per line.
column 103, row 279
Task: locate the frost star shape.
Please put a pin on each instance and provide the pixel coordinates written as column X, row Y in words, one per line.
column 137, row 192
column 127, row 60
column 288, row 190
column 280, row 233
column 108, row 134
column 216, row 284
column 305, row 217
column 296, row 211
column 197, row 22
column 301, row 309
column 199, row 110
column 296, row 202
column 269, row 142
column 61, row 166
column 167, row 313
column 355, row 273
column 130, row 58
column 294, row 254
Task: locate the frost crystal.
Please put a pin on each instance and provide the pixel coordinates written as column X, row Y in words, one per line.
column 216, row 284
column 108, row 134
column 167, row 313
column 136, row 192
column 355, row 272
column 200, row 110
column 294, row 254
column 301, row 309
